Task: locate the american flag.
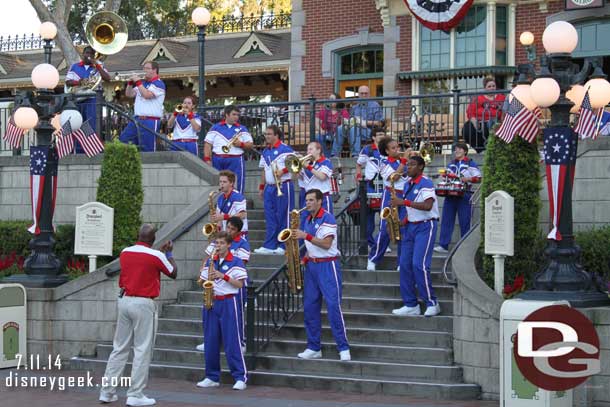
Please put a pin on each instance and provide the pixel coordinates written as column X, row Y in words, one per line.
column 517, row 118
column 586, row 126
column 560, row 144
column 65, row 141
column 40, row 171
column 13, row 134
column 89, row 140
column 531, row 128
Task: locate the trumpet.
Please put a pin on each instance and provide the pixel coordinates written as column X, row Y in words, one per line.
column 125, row 76
column 295, row 164
column 278, row 182
column 179, row 108
column 230, row 144
column 427, row 152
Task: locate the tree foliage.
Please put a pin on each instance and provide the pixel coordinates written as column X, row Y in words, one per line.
column 514, row 168
column 120, row 187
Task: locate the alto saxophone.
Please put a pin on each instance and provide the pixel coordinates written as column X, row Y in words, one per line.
column 208, row 285
column 295, row 275
column 390, row 214
column 210, row 229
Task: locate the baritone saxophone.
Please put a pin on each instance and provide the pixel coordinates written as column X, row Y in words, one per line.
column 295, row 275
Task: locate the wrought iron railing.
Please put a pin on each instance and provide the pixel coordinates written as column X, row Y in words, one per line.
column 351, row 224
column 229, row 24
column 270, row 306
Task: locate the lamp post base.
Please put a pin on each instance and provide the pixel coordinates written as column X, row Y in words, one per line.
column 577, row 299
column 37, row 280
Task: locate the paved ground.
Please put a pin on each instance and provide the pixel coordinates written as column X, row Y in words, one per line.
column 186, row 394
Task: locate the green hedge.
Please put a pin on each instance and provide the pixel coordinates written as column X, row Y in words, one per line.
column 120, row 187
column 14, row 237
column 595, row 245
column 514, row 168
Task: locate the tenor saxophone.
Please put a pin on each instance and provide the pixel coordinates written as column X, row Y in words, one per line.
column 390, row 214
column 295, row 275
column 210, row 229
column 208, row 286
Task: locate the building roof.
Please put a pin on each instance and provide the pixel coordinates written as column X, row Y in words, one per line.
column 177, row 57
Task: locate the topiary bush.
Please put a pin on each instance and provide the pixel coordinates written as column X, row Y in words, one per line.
column 514, row 168
column 120, row 187
column 595, row 255
column 14, row 237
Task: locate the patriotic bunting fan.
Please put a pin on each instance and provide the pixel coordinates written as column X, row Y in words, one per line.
column 439, row 14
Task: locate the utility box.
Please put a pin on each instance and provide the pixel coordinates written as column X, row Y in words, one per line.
column 13, row 319
column 515, row 389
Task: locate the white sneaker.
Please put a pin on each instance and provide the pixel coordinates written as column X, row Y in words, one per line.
column 440, row 249
column 201, row 347
column 106, row 398
column 310, row 354
column 388, row 250
column 243, row 349
column 239, row 385
column 370, row 266
column 279, row 251
column 345, row 355
column 432, row 310
column 140, row 401
column 398, row 268
column 264, row 250
column 207, row 383
column 404, row 311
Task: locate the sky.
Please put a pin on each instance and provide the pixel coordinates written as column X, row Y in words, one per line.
column 19, row 18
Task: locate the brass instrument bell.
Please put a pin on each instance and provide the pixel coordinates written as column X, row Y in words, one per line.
column 295, row 164
column 106, row 32
column 179, row 108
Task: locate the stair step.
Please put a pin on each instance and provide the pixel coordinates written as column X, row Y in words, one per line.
column 442, row 292
column 342, row 383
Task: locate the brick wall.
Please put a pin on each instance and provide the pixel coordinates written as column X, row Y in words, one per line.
column 404, row 53
column 327, row 20
column 530, row 18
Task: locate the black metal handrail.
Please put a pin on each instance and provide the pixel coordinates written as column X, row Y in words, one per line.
column 351, row 225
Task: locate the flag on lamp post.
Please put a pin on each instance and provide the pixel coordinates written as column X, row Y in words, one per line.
column 65, row 141
column 39, row 171
column 13, row 135
column 586, row 126
column 89, row 140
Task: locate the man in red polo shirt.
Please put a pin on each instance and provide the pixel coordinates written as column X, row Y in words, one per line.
column 140, row 282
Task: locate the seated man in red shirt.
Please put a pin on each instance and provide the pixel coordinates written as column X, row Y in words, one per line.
column 140, row 283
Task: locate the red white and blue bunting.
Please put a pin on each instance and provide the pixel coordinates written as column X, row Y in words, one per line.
column 439, row 14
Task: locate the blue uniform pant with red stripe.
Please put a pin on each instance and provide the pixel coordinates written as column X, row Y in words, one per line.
column 235, row 164
column 221, row 325
column 190, row 146
column 415, row 262
column 147, row 140
column 87, row 109
column 242, row 299
column 382, row 241
column 277, row 210
column 451, row 206
column 323, row 280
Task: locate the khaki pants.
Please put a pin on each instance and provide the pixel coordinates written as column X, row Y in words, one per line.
column 137, row 324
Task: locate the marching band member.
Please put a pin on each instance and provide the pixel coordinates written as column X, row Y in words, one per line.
column 230, row 202
column 317, row 175
column 239, row 248
column 416, row 256
column 468, row 172
column 276, row 190
column 393, row 163
column 370, row 159
column 79, row 72
column 228, row 131
column 149, row 95
column 322, row 277
column 186, row 125
column 221, row 321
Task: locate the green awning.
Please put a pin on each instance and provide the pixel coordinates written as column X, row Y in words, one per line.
column 458, row 72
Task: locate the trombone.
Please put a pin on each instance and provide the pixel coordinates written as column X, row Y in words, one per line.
column 295, row 164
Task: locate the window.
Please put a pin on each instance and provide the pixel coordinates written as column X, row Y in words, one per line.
column 501, row 35
column 435, row 49
column 358, row 67
column 362, row 62
column 434, row 105
column 471, row 38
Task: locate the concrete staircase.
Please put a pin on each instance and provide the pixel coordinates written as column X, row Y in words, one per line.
column 409, row 356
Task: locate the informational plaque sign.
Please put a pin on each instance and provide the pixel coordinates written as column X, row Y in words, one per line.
column 94, row 228
column 499, row 224
column 580, row 4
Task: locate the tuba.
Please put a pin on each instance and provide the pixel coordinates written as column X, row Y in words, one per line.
column 295, row 275
column 390, row 213
column 106, row 32
column 210, row 229
column 295, row 164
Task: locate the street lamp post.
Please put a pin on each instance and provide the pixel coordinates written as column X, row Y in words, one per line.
column 201, row 18
column 563, row 277
column 35, row 110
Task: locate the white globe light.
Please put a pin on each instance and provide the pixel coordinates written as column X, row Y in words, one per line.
column 45, row 76
column 522, row 93
column 200, row 16
column 576, row 94
column 599, row 92
column 545, row 91
column 74, row 116
column 25, row 118
column 55, row 122
column 560, row 37
column 48, row 30
column 526, row 38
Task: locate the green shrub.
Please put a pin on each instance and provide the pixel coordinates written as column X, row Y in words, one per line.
column 120, row 187
column 14, row 237
column 595, row 245
column 514, row 168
